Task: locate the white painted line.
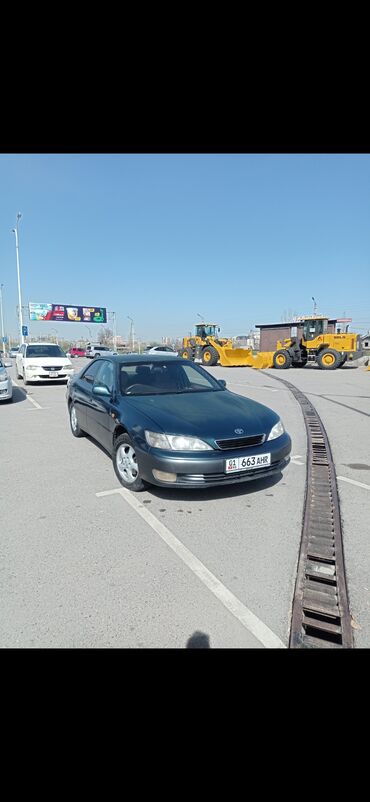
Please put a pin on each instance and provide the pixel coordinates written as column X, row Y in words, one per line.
column 353, row 482
column 27, row 396
column 235, row 607
column 107, row 492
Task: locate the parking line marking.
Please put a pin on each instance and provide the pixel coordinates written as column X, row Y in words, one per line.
column 35, row 403
column 353, row 482
column 249, row 621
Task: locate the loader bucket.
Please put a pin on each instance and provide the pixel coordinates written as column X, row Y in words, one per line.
column 235, row 357
column 264, row 359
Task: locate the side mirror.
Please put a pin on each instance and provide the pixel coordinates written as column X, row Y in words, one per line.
column 8, row 364
column 101, row 389
column 222, row 382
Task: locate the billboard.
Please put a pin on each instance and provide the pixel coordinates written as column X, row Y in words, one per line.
column 60, row 313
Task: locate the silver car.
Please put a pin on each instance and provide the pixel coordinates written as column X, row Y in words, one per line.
column 6, row 385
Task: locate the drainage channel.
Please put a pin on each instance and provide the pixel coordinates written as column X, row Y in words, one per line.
column 320, row 615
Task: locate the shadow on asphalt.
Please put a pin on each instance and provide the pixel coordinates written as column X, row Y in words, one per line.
column 18, row 395
column 198, row 640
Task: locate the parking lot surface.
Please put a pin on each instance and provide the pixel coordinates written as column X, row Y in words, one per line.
column 86, row 566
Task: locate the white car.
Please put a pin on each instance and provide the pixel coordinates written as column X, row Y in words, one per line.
column 39, row 362
column 99, row 350
column 6, row 386
column 161, row 350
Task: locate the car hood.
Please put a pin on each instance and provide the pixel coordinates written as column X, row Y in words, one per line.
column 48, row 361
column 213, row 415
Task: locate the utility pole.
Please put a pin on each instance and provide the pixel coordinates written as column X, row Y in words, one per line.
column 132, row 334
column 15, row 231
column 2, row 318
column 114, row 331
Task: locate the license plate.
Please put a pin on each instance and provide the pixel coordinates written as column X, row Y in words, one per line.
column 53, row 374
column 247, row 463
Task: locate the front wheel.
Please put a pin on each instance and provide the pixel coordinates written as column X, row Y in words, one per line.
column 73, row 419
column 282, row 360
column 125, row 464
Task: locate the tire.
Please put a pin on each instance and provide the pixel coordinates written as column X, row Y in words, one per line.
column 209, row 356
column 282, row 360
column 125, row 465
column 97, row 354
column 328, row 359
column 74, row 424
column 186, row 353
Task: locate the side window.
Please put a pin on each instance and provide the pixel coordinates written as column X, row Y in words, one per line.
column 91, row 372
column 195, row 378
column 105, row 375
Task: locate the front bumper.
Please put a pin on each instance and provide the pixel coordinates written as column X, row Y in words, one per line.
column 6, row 390
column 45, row 377
column 207, row 468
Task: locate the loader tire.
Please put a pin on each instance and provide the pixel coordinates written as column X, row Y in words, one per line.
column 186, row 353
column 209, row 356
column 328, row 359
column 282, row 360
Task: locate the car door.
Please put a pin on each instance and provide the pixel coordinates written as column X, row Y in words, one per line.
column 19, row 360
column 81, row 396
column 100, row 406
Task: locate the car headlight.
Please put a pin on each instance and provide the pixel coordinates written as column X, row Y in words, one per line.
column 31, row 367
column 68, row 367
column 176, row 442
column 276, row 431
column 3, row 375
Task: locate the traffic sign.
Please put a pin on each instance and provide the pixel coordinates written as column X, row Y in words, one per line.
column 25, row 331
column 5, row 339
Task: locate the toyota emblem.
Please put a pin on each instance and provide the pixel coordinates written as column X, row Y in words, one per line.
column 239, row 431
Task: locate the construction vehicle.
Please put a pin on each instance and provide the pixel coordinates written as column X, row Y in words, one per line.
column 208, row 347
column 328, row 350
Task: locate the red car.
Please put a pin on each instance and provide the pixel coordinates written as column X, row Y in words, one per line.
column 77, row 352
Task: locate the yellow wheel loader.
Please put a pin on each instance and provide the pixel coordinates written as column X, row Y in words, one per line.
column 207, row 347
column 328, row 350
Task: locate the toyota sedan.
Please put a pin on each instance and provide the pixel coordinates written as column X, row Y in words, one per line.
column 168, row 422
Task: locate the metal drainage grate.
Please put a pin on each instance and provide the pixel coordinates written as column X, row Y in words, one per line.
column 320, row 616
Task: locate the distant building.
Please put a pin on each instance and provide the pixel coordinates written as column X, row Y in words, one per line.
column 365, row 343
column 272, row 332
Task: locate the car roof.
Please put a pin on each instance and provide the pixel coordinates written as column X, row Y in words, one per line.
column 41, row 343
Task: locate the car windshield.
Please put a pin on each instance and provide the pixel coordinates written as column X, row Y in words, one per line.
column 159, row 378
column 44, row 350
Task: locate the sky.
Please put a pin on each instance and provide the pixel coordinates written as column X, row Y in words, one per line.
column 240, row 239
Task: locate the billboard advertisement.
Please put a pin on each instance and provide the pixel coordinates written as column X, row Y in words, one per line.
column 60, row 313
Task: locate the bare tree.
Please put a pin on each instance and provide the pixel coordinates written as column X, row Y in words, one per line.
column 105, row 335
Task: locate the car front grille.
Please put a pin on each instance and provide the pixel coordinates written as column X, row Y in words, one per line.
column 241, row 442
column 49, row 368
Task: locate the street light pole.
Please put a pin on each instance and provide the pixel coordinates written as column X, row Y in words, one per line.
column 132, row 335
column 15, row 231
column 114, row 331
column 2, row 318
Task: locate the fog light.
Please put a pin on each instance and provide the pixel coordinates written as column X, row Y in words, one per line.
column 163, row 476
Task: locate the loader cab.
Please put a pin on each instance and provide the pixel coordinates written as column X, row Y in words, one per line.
column 313, row 327
column 207, row 330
